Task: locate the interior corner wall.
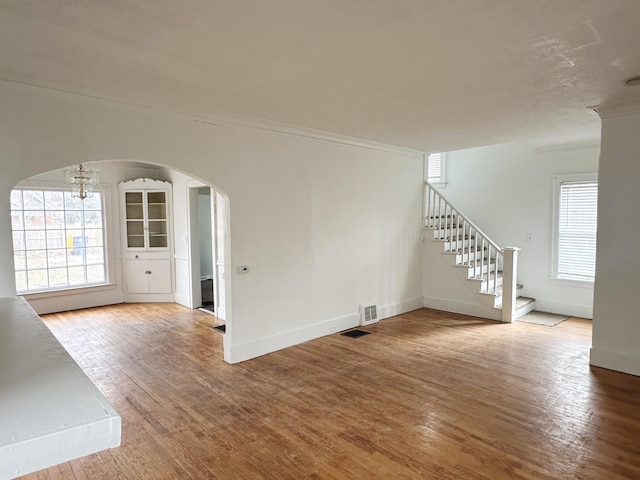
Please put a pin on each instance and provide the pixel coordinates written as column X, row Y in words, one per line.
column 324, row 225
column 507, row 190
column 616, row 322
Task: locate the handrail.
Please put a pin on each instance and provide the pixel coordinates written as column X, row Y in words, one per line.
column 475, row 227
column 459, row 229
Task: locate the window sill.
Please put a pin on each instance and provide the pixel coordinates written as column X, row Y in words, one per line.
column 68, row 291
column 438, row 184
column 571, row 282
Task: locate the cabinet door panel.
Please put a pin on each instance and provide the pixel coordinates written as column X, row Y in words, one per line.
column 160, row 276
column 137, row 278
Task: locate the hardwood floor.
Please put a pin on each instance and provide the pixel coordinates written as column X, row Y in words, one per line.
column 426, row 395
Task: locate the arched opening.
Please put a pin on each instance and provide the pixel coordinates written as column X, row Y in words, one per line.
column 78, row 253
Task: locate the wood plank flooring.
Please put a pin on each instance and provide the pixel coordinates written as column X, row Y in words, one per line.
column 426, row 395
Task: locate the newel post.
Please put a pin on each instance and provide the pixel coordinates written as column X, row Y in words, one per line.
column 509, row 283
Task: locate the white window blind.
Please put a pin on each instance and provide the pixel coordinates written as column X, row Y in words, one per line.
column 435, row 170
column 577, row 224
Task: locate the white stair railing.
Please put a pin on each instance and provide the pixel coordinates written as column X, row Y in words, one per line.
column 482, row 256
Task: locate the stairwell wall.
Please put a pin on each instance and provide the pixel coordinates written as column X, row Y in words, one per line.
column 507, row 190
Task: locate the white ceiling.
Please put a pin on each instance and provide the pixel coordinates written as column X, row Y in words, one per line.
column 426, row 74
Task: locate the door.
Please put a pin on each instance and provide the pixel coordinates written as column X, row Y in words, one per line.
column 148, row 276
column 206, row 250
column 137, row 277
column 220, row 223
column 159, row 276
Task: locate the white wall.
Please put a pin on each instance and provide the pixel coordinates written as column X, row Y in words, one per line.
column 616, row 318
column 507, row 191
column 324, row 225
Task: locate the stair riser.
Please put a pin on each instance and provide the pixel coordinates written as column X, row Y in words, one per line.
column 484, row 286
column 480, row 270
column 468, row 257
column 450, row 245
column 448, row 232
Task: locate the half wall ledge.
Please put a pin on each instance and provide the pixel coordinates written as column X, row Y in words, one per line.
column 50, row 411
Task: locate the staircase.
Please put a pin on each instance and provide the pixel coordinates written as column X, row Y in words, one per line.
column 492, row 270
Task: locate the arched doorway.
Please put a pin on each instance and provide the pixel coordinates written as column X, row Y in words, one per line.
column 183, row 262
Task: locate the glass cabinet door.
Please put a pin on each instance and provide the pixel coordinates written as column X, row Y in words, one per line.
column 157, row 217
column 134, row 210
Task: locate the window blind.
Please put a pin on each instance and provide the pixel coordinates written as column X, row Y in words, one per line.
column 434, row 167
column 577, row 224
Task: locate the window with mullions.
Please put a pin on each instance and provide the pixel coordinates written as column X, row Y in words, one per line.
column 58, row 240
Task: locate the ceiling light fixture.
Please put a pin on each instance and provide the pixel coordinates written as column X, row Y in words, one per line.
column 633, row 81
column 81, row 180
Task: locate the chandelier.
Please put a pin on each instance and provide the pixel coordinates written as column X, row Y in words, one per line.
column 81, row 180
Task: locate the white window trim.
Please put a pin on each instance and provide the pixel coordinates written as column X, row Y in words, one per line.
column 443, row 170
column 557, row 182
column 107, row 223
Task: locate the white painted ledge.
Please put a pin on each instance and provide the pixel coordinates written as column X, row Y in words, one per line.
column 50, row 411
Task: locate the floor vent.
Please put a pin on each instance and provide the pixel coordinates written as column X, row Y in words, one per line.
column 368, row 314
column 221, row 328
column 355, row 333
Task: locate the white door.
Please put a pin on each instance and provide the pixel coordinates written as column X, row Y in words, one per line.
column 220, row 224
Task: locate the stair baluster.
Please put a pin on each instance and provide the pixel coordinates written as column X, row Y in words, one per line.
column 481, row 255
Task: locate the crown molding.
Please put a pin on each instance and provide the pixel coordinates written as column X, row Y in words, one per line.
column 563, row 147
column 216, row 118
column 618, row 108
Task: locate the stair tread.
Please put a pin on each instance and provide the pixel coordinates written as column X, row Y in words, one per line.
column 522, row 301
column 455, row 239
column 464, row 250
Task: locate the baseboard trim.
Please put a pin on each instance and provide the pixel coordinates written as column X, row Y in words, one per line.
column 63, row 303
column 464, row 308
column 183, row 299
column 149, row 298
column 272, row 343
column 619, row 362
column 399, row 308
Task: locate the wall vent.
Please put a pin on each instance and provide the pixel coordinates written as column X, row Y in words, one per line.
column 368, row 314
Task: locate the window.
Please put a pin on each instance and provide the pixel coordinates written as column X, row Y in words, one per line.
column 58, row 240
column 435, row 169
column 575, row 226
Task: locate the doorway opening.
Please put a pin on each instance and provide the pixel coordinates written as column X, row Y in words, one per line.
column 207, row 234
column 205, row 227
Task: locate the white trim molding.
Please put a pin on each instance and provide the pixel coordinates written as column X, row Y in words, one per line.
column 279, row 341
column 617, row 109
column 620, row 362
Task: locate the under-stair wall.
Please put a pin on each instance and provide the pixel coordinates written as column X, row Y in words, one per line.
column 464, row 270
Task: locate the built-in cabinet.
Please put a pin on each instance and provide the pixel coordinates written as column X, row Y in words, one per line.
column 147, row 248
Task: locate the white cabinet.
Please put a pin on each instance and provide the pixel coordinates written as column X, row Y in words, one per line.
column 146, row 237
column 148, row 276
